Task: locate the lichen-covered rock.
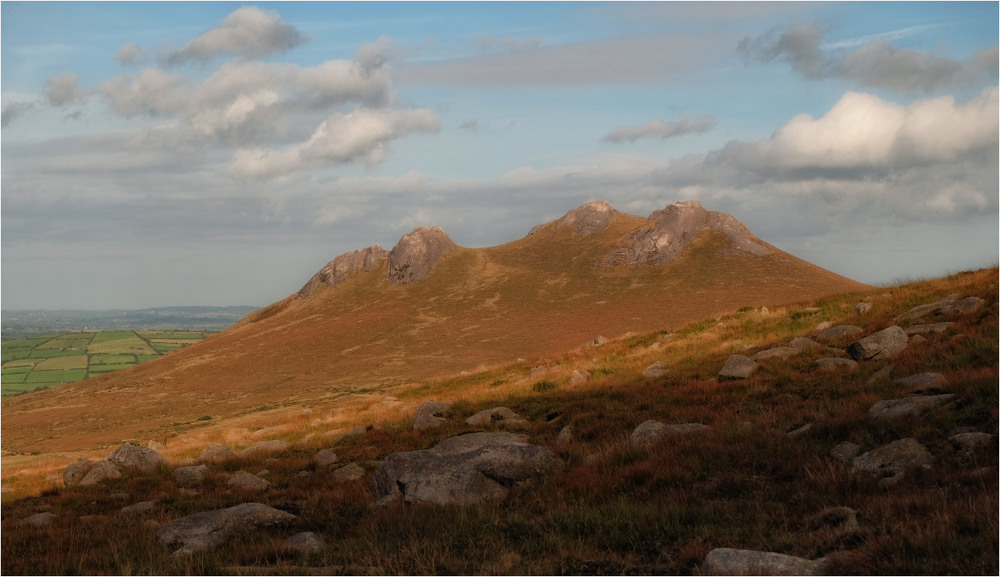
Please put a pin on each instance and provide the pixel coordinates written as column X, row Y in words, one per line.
column 462, row 470
column 136, row 457
column 418, row 253
column 738, row 367
column 496, row 416
column 881, row 345
column 724, row 561
column 209, row 529
column 430, row 414
column 216, row 453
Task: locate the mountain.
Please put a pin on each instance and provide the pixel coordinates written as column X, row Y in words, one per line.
column 374, row 322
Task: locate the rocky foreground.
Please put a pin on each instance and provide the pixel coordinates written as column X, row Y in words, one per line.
column 490, row 456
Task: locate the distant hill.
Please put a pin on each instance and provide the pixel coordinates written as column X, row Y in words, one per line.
column 376, row 320
column 24, row 323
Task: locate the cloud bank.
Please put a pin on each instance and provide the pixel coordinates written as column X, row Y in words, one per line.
column 248, row 32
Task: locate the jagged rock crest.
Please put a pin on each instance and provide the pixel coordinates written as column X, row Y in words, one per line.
column 416, row 254
column 674, row 227
column 344, row 267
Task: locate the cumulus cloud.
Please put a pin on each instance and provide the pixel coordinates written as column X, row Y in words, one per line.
column 129, row 54
column 363, row 135
column 875, row 63
column 14, row 110
column 248, row 32
column 64, row 89
column 662, row 130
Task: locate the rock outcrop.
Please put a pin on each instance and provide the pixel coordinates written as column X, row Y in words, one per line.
column 417, row 253
column 344, row 267
column 210, row 529
column 672, row 229
column 589, row 218
column 462, row 470
column 430, row 414
column 881, row 345
column 725, row 561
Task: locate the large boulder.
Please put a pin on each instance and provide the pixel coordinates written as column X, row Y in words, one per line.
column 430, row 414
column 191, row 477
column 245, row 481
column 496, row 416
column 894, row 460
column 652, row 431
column 724, row 561
column 101, row 471
column 462, row 470
column 417, row 254
column 881, row 345
column 73, row 474
column 738, row 367
column 216, row 453
column 136, row 457
column 907, row 406
column 210, row 529
column 946, row 306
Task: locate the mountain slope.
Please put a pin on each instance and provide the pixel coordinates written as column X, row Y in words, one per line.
column 430, row 308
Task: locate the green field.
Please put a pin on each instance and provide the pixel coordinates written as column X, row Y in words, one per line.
column 46, row 361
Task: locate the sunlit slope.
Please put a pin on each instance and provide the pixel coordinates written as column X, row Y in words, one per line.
column 541, row 295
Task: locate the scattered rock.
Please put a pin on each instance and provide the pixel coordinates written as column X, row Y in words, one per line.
column 946, row 306
column 923, row 381
column 75, row 472
column 881, row 345
column 191, row 477
column 101, row 471
column 430, row 414
column 655, row 370
column 210, row 529
column 862, row 308
column 325, row 457
column 830, row 364
column 838, row 332
column 650, row 432
column 798, row 432
column 845, row 451
column 906, row 407
column 565, row 435
column 418, row 253
column 745, row 562
column 738, row 367
column 579, row 378
column 783, row 353
column 824, row 325
column 244, row 481
column 138, row 507
column 137, row 457
column 303, row 544
column 351, row 472
column 216, row 454
column 265, row 448
column 597, row 341
column 929, row 328
column 803, row 343
column 841, row 519
column 882, row 374
column 969, row 443
column 892, row 461
column 497, row 415
column 463, row 469
column 39, row 519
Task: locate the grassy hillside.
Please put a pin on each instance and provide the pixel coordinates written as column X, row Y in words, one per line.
column 36, row 363
column 615, row 509
column 532, row 298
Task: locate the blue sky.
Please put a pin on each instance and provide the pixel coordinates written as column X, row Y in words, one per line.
column 216, row 153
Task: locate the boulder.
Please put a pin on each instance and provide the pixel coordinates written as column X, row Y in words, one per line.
column 596, row 341
column 923, row 381
column 881, row 345
column 101, row 471
column 498, row 415
column 462, row 470
column 139, row 507
column 862, row 308
column 845, row 451
column 244, row 481
column 738, row 367
column 430, row 414
column 351, row 472
column 74, row 473
column 970, row 443
column 880, row 375
column 803, row 343
column 745, row 562
column 418, row 253
column 946, row 306
column 263, row 448
column 565, row 435
column 928, row 328
column 216, row 454
column 137, row 457
column 44, row 519
column 210, row 529
column 303, row 544
column 906, row 407
column 156, row 446
column 191, row 477
column 838, row 332
column 579, row 378
column 325, row 457
column 782, row 353
column 830, row 364
column 651, row 432
column 655, row 370
column 894, row 460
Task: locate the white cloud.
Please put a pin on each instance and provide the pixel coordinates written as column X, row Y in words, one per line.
column 129, row 54
column 686, row 124
column 64, row 89
column 248, row 32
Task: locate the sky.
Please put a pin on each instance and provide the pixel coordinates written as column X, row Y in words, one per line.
column 220, row 153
